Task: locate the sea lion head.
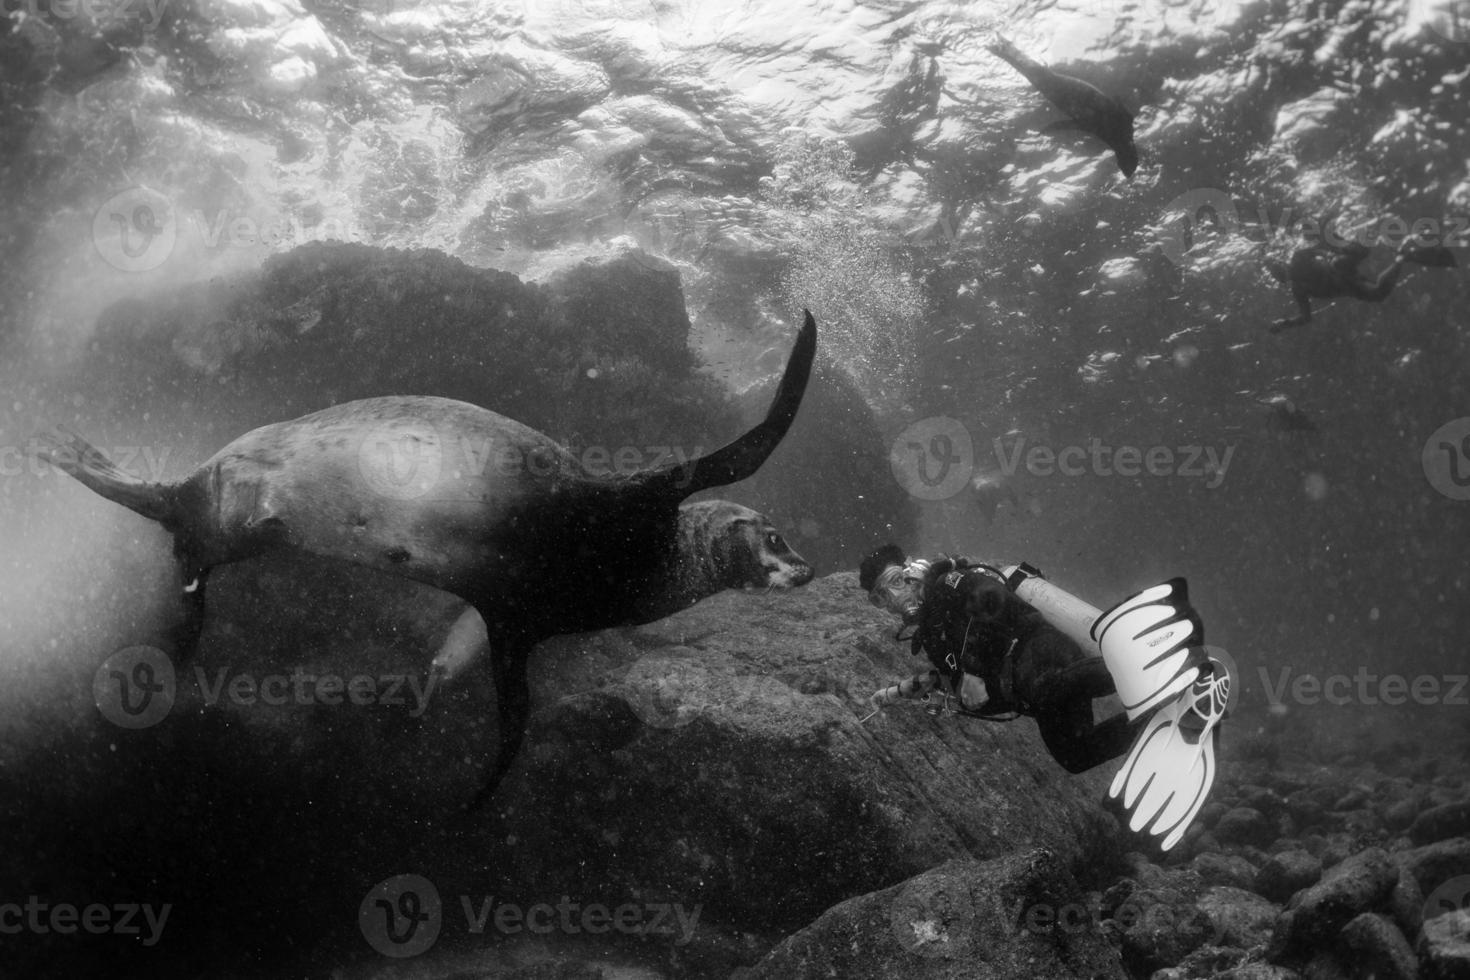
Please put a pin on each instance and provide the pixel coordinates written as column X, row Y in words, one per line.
column 740, row 548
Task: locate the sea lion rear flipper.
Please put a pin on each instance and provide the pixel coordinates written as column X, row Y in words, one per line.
column 745, row 455
column 513, row 699
column 89, row 466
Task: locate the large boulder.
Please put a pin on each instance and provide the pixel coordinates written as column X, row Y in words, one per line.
column 713, row 760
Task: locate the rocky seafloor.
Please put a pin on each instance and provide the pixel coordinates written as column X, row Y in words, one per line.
column 708, row 775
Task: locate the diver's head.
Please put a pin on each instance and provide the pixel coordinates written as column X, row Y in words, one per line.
column 884, row 575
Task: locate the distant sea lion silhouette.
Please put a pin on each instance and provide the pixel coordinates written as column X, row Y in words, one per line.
column 450, row 494
column 1087, row 107
column 992, row 490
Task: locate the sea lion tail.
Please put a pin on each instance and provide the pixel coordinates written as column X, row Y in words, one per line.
column 89, row 466
column 745, row 455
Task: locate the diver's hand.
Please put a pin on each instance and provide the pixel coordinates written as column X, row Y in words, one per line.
column 885, row 697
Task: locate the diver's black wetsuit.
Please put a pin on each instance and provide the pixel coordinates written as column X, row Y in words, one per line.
column 971, row 623
column 1327, row 271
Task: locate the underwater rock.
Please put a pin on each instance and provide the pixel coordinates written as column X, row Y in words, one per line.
column 1244, row 825
column 1159, row 923
column 1238, row 917
column 1444, row 947
column 1362, row 883
column 1207, row 961
column 1435, row 864
column 1008, row 917
column 1441, row 822
column 1220, row 869
column 1375, row 945
column 1287, row 873
column 712, row 761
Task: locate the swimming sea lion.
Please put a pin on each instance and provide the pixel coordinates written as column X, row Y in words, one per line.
column 453, row 495
column 1086, row 106
column 992, row 490
column 722, row 545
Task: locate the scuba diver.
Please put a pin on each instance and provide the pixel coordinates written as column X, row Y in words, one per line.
column 1001, row 656
column 1328, row 269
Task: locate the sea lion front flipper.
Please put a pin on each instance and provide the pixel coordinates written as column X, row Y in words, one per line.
column 513, row 699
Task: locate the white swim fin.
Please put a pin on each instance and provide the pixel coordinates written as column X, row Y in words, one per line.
column 1151, row 643
column 1171, row 767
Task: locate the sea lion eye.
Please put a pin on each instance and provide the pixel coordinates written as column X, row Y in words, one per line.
column 774, row 542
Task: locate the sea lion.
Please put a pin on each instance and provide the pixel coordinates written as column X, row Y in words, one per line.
column 992, row 490
column 1284, row 417
column 722, row 545
column 1086, row 106
column 452, row 495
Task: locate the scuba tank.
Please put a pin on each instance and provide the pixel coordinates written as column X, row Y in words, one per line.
column 1062, row 609
column 1145, row 678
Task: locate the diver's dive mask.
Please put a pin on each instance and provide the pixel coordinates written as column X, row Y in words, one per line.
column 898, row 591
